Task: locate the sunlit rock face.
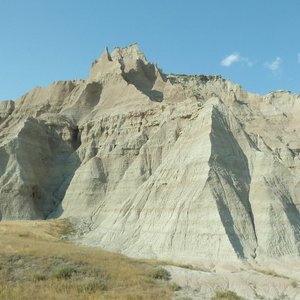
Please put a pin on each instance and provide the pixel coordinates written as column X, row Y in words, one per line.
column 182, row 167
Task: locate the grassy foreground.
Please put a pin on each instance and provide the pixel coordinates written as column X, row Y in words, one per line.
column 35, row 263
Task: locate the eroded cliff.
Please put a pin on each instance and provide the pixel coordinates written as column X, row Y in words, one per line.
column 183, row 167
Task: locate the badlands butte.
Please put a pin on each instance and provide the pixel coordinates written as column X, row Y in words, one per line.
column 187, row 168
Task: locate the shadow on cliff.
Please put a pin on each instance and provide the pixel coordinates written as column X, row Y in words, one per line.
column 291, row 211
column 42, row 161
column 70, row 162
column 144, row 78
column 230, row 184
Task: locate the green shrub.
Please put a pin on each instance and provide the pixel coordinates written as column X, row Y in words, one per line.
column 160, row 273
column 175, row 287
column 64, row 272
column 226, row 295
column 294, row 284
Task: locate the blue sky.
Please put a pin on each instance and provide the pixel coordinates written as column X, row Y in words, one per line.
column 254, row 43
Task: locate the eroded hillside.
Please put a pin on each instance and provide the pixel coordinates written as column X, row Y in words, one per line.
column 183, row 167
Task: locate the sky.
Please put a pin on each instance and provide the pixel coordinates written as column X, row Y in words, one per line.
column 254, row 43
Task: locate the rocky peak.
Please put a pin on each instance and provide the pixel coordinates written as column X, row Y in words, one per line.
column 129, row 56
column 103, row 67
column 126, row 59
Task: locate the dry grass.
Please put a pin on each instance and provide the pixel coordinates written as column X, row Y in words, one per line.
column 35, row 263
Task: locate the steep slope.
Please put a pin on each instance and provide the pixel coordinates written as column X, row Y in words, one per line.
column 186, row 168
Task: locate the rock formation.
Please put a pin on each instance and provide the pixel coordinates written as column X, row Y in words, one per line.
column 187, row 168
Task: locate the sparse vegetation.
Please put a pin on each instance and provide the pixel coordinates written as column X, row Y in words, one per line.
column 258, row 296
column 36, row 264
column 64, row 272
column 91, row 285
column 190, row 267
column 38, row 276
column 66, row 229
column 281, row 297
column 226, row 295
column 160, row 273
column 270, row 273
column 175, row 287
column 294, row 284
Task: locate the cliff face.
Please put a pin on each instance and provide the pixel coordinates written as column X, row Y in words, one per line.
column 177, row 167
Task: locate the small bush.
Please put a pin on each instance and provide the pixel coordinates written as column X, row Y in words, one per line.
column 160, row 273
column 227, row 295
column 190, row 267
column 281, row 297
column 294, row 284
column 91, row 285
column 23, row 234
column 270, row 273
column 258, row 296
column 175, row 287
column 64, row 272
column 38, row 277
